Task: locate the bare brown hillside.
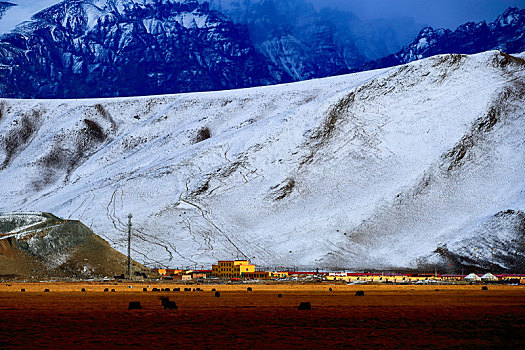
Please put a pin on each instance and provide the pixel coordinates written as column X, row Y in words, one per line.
column 56, row 248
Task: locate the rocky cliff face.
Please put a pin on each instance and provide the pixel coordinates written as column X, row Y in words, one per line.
column 506, row 33
column 122, row 47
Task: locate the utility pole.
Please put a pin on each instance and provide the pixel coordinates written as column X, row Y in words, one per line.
column 129, row 245
column 476, row 261
column 492, row 263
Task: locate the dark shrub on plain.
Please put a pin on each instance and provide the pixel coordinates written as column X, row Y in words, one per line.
column 305, row 306
column 134, row 305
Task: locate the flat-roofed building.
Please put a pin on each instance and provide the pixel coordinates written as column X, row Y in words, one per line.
column 232, row 268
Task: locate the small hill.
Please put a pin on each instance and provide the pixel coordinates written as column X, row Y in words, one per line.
column 41, row 245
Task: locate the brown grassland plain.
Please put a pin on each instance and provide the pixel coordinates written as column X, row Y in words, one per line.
column 388, row 316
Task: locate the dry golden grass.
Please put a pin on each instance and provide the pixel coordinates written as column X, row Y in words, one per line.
column 387, row 316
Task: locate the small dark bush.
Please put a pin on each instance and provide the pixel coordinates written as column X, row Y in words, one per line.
column 484, row 288
column 217, row 294
column 46, row 290
column 360, row 293
column 203, row 134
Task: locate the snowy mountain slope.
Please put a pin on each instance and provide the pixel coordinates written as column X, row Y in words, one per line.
column 21, row 12
column 401, row 167
column 4, row 6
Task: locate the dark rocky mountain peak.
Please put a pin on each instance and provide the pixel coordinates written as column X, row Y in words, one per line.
column 98, row 48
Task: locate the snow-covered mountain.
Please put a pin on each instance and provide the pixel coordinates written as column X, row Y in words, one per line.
column 124, row 47
column 401, row 167
column 506, row 33
column 110, row 48
column 306, row 43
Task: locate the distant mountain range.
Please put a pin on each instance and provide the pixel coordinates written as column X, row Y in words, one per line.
column 506, row 33
column 109, row 48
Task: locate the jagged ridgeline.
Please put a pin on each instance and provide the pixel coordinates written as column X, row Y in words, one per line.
column 41, row 245
column 506, row 33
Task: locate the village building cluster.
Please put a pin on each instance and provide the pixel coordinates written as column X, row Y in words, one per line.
column 225, row 269
column 236, row 270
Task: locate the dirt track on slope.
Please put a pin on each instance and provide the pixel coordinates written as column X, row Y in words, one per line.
column 387, row 316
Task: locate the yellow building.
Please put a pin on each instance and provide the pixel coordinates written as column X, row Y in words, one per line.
column 160, row 271
column 256, row 275
column 232, row 268
column 278, row 274
column 172, row 272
